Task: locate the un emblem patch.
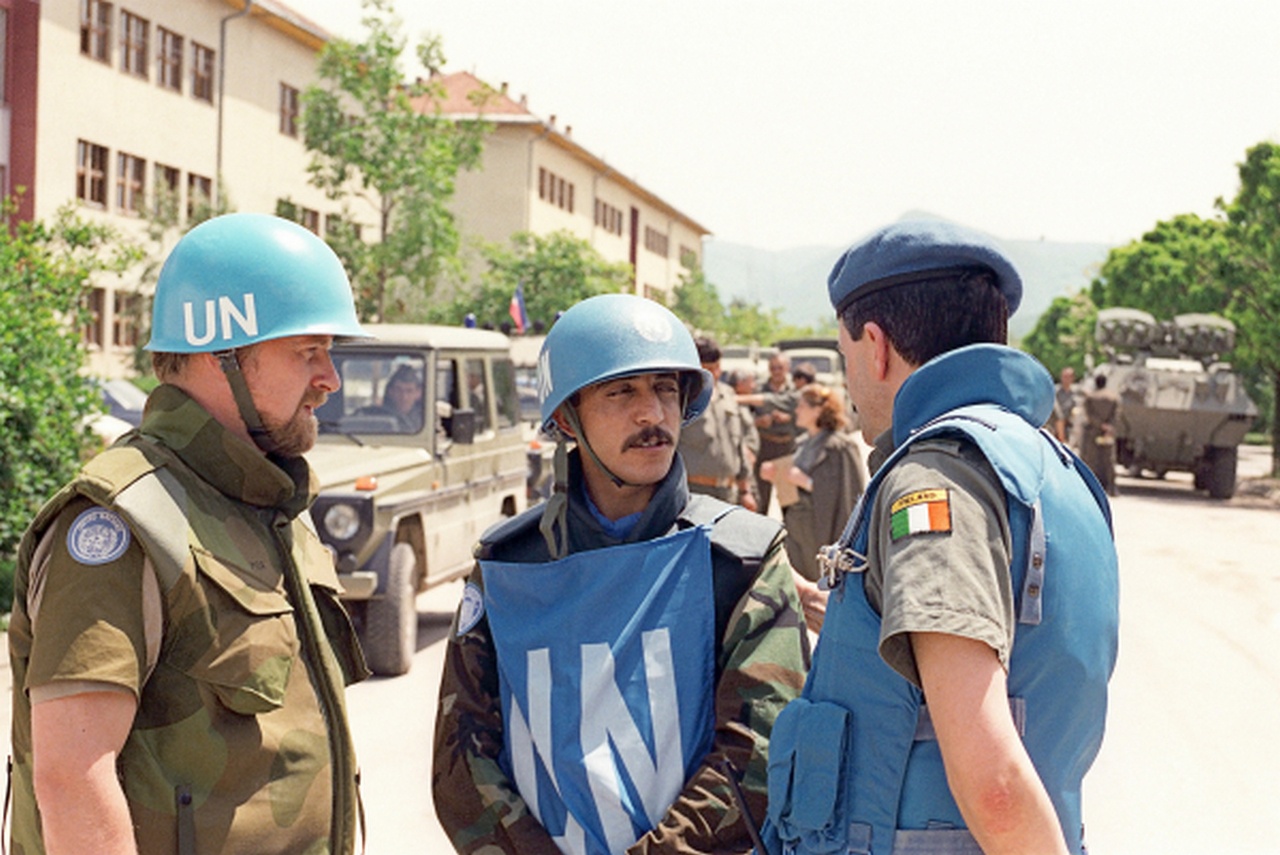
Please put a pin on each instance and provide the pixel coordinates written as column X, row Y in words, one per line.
column 98, row 536
column 471, row 609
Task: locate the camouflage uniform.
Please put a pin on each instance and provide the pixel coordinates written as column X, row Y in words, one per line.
column 240, row 742
column 761, row 660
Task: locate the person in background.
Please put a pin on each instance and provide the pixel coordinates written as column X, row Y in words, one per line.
column 179, row 651
column 1069, row 399
column 1101, row 408
column 775, row 420
column 803, row 374
column 828, row 474
column 714, row 447
column 623, row 631
column 402, row 399
column 959, row 687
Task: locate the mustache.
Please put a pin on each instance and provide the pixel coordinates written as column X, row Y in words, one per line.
column 647, row 435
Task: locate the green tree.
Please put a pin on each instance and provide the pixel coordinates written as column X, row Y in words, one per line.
column 1252, row 273
column 556, row 270
column 1175, row 268
column 384, row 143
column 44, row 401
column 697, row 303
column 1063, row 335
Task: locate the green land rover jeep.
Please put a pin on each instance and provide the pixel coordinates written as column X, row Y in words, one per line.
column 420, row 451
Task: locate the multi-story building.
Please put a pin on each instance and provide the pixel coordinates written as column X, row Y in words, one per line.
column 534, row 177
column 119, row 105
column 122, row 105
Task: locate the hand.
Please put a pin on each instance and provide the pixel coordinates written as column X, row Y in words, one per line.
column 813, row 601
column 766, row 470
column 800, row 478
column 748, row 500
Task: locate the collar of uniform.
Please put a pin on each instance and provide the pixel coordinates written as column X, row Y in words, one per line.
column 234, row 467
column 975, row 374
column 656, row 520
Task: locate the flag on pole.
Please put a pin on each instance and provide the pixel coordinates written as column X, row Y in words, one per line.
column 516, row 309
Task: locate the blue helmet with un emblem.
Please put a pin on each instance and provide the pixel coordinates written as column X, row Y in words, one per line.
column 239, row 279
column 612, row 336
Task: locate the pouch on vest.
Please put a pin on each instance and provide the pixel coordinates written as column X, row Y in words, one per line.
column 807, row 752
column 254, row 641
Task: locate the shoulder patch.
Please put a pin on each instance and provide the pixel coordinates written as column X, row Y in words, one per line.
column 921, row 512
column 98, row 536
column 471, row 609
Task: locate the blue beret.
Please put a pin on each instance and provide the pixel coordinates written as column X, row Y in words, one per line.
column 915, row 251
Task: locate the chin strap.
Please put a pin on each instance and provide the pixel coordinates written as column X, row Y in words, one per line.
column 230, row 365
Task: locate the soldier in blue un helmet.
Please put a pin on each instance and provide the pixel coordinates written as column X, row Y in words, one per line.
column 621, row 651
column 179, row 651
column 959, row 687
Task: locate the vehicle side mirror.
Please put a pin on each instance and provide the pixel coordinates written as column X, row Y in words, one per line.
column 463, row 429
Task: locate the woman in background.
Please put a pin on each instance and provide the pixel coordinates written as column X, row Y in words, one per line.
column 829, row 474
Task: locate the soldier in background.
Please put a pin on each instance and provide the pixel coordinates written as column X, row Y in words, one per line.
column 1067, row 397
column 623, row 630
column 775, row 410
column 1098, row 445
column 714, row 447
column 179, row 652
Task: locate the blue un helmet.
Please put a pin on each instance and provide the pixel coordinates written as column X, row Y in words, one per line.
column 612, row 336
column 239, row 279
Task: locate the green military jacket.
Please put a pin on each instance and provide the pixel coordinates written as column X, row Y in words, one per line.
column 173, row 567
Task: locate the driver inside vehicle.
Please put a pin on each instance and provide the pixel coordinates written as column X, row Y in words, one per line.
column 402, row 398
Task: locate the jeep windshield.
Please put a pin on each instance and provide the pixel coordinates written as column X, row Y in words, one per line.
column 382, row 393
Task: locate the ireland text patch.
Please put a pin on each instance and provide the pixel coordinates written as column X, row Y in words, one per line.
column 921, row 512
column 98, row 536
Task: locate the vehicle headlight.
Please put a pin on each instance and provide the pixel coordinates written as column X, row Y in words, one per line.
column 342, row 521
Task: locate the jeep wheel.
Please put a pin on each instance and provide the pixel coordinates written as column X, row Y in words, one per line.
column 391, row 618
column 1222, row 473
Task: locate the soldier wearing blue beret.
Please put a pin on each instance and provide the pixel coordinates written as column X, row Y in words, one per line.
column 959, row 687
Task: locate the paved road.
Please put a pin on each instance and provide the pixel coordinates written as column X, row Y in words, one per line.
column 1190, row 763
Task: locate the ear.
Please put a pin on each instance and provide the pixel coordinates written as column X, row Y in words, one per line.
column 881, row 349
column 563, row 423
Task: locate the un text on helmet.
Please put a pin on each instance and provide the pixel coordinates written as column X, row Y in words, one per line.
column 219, row 314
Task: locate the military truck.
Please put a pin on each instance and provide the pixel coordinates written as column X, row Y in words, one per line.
column 1181, row 407
column 419, row 452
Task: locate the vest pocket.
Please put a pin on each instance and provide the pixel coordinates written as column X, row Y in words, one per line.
column 254, row 642
column 808, row 751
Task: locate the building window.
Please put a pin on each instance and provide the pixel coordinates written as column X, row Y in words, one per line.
column 91, row 173
column 202, row 72
column 124, row 326
column 608, row 218
column 288, row 110
column 169, row 60
column 167, row 191
column 131, row 176
column 335, row 225
column 94, row 304
column 199, row 198
column 309, row 219
column 554, row 189
column 655, row 241
column 95, row 30
column 134, row 34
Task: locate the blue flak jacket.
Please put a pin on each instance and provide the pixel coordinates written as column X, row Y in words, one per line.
column 854, row 766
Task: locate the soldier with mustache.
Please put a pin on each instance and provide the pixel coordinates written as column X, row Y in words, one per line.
column 179, row 651
column 621, row 651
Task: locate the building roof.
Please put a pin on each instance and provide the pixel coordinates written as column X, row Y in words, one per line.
column 466, row 97
column 286, row 20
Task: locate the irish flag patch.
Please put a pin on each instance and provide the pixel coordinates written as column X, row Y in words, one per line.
column 920, row 512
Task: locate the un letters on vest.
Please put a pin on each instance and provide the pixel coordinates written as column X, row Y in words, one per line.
column 605, row 662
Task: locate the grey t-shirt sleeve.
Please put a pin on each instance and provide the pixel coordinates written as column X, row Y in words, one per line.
column 940, row 553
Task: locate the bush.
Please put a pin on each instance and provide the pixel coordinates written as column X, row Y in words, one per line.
column 44, row 400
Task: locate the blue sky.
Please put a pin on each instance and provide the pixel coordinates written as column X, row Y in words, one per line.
column 814, row 121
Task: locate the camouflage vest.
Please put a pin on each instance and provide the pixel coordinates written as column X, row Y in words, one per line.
column 240, row 742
